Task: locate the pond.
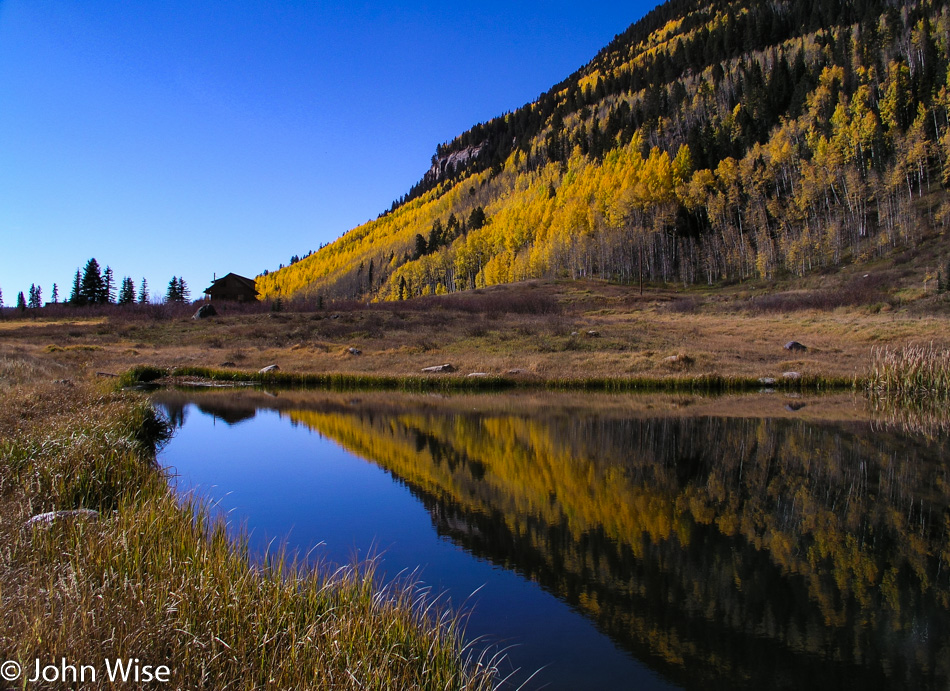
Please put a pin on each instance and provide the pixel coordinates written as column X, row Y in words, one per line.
column 611, row 542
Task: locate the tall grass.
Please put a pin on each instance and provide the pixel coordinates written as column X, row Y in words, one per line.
column 160, row 581
column 337, row 381
column 913, row 371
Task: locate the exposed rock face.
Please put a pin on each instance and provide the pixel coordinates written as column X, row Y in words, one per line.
column 439, row 368
column 205, row 311
column 444, row 166
column 269, row 368
column 795, row 346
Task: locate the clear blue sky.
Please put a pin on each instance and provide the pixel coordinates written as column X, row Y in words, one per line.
column 200, row 137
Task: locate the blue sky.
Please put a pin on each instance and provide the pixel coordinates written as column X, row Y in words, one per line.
column 192, row 138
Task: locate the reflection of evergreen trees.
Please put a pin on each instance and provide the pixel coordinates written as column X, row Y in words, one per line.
column 727, row 552
column 174, row 412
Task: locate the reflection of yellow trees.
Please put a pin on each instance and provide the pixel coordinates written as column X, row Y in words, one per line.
column 861, row 528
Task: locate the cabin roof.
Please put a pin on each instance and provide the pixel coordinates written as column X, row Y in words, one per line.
column 249, row 283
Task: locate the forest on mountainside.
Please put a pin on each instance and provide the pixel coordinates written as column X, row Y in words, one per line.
column 711, row 141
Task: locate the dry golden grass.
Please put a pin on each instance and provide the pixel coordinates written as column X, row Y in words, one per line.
column 149, row 580
column 716, row 332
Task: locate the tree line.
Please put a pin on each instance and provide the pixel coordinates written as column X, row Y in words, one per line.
column 93, row 285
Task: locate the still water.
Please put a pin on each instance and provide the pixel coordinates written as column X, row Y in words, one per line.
column 611, row 542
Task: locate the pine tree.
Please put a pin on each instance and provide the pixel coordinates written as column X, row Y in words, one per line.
column 75, row 298
column 21, row 302
column 476, row 219
column 55, row 295
column 183, row 292
column 36, row 297
column 127, row 291
column 421, row 246
column 1, row 299
column 108, row 287
column 91, row 288
column 143, row 292
column 173, row 293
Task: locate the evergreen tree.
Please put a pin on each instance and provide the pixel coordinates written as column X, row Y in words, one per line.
column 143, row 292
column 369, row 276
column 91, row 289
column 108, row 287
column 171, row 293
column 183, row 292
column 75, row 298
column 36, row 296
column 21, row 302
column 420, row 248
column 127, row 291
column 436, row 236
column 55, row 295
column 477, row 218
column 1, row 299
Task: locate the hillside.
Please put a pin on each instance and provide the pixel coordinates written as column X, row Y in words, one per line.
column 711, row 141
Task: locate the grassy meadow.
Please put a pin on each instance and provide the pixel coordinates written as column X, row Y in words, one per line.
column 537, row 331
column 154, row 579
column 147, row 579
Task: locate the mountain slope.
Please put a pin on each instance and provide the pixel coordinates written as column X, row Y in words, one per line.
column 710, row 141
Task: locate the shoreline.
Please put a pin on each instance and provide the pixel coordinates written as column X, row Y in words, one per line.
column 125, row 570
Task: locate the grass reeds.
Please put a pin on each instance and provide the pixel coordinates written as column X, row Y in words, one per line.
column 910, row 372
column 159, row 581
column 336, row 381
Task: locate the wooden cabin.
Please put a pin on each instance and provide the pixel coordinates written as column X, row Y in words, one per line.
column 232, row 287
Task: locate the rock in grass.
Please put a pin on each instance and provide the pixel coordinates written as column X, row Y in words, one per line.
column 477, row 374
column 767, row 381
column 354, row 351
column 205, row 311
column 791, row 375
column 269, row 368
column 795, row 346
column 49, row 517
column 439, row 368
column 593, row 334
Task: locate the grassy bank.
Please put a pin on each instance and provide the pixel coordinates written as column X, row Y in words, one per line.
column 147, row 580
column 339, row 381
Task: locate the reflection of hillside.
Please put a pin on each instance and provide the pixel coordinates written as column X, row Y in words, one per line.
column 742, row 552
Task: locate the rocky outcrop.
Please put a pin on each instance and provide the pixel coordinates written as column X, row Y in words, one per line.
column 445, row 166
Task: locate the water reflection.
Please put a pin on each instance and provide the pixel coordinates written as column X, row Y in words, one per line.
column 808, row 548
